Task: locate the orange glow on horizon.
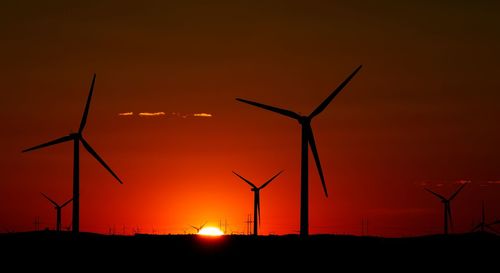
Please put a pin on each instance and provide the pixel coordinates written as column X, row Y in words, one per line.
column 210, row 231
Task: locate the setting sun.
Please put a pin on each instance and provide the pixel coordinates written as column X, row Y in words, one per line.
column 210, row 231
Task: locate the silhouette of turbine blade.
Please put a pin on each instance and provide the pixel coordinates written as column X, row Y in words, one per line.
column 66, row 203
column 284, row 112
column 51, row 201
column 312, row 143
column 96, row 156
column 327, row 101
column 203, row 225
column 50, row 143
column 269, row 181
column 459, row 189
column 87, row 106
column 492, row 229
column 476, row 227
column 438, row 195
column 244, row 179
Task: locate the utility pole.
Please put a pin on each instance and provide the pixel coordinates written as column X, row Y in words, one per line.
column 249, row 224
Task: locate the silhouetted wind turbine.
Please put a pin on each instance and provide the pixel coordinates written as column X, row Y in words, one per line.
column 78, row 138
column 307, row 140
column 447, row 207
column 483, row 225
column 256, row 199
column 58, row 210
column 199, row 228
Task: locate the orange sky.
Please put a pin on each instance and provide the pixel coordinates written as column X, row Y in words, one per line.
column 424, row 109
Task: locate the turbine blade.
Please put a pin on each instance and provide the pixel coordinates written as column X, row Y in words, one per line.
column 269, row 181
column 50, row 143
column 459, row 189
column 335, row 92
column 312, row 143
column 492, row 229
column 203, row 225
column 244, row 179
column 476, row 227
column 438, row 195
column 87, row 107
column 284, row 112
column 66, row 203
column 96, row 156
column 51, row 201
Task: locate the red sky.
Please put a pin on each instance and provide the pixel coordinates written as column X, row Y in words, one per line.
column 423, row 110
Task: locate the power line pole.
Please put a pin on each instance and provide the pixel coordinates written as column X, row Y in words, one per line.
column 249, row 224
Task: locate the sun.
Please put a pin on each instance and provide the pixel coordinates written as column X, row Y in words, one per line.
column 210, row 231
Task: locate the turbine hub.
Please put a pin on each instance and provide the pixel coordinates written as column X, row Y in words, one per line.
column 304, row 120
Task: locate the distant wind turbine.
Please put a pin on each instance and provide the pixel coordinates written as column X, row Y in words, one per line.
column 307, row 140
column 483, row 225
column 199, row 228
column 78, row 138
column 256, row 199
column 58, row 210
column 447, row 207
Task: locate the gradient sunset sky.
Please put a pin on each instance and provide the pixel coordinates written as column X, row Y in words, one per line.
column 422, row 112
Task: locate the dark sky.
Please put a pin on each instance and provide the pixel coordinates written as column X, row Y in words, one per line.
column 423, row 111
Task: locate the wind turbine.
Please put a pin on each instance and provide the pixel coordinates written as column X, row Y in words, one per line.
column 483, row 225
column 199, row 228
column 78, row 138
column 447, row 207
column 58, row 210
column 256, row 199
column 307, row 140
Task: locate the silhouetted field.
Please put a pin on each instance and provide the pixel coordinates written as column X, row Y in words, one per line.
column 192, row 251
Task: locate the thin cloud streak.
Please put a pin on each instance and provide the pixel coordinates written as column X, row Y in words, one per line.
column 126, row 114
column 154, row 114
column 204, row 115
column 171, row 115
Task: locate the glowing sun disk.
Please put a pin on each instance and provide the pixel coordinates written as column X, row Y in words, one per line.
column 210, row 231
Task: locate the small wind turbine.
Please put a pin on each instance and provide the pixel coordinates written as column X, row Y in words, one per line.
column 78, row 138
column 199, row 228
column 58, row 210
column 307, row 140
column 256, row 199
column 483, row 225
column 447, row 207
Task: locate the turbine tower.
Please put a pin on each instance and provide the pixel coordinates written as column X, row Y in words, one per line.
column 256, row 199
column 447, row 207
column 58, row 209
column 307, row 140
column 78, row 138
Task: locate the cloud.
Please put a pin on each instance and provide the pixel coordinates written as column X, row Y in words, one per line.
column 497, row 182
column 126, row 114
column 203, row 115
column 463, row 181
column 170, row 115
column 153, row 114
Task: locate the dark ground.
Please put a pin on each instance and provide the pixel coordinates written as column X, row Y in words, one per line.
column 154, row 252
